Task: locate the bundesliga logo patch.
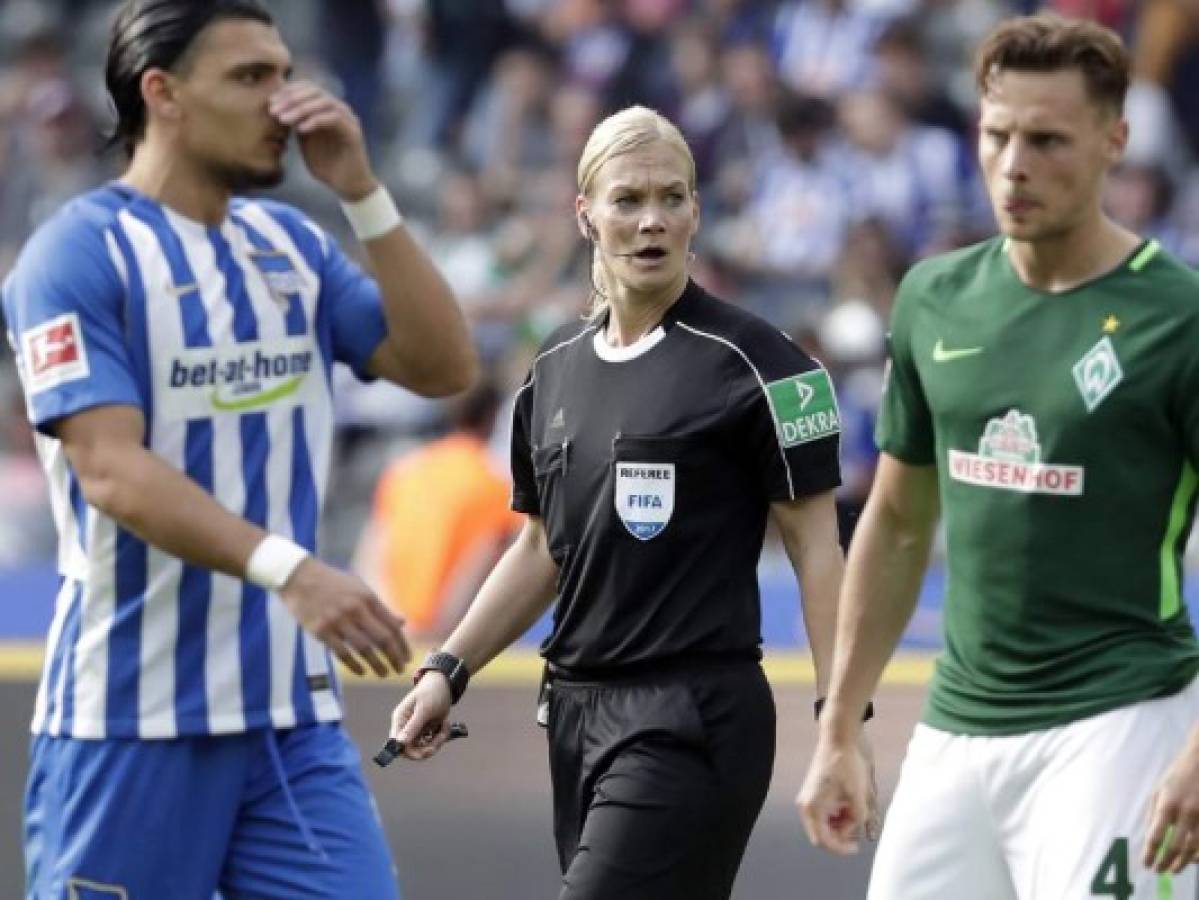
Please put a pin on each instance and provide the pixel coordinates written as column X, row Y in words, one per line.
column 804, row 407
column 53, row 353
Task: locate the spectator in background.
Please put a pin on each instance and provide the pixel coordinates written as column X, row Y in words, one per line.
column 903, row 72
column 822, row 47
column 914, row 178
column 507, row 134
column 1141, row 198
column 352, row 39
column 700, row 103
column 440, row 521
column 749, row 133
column 54, row 149
column 592, row 42
column 463, row 38
column 785, row 243
column 26, row 525
column 646, row 75
column 851, row 338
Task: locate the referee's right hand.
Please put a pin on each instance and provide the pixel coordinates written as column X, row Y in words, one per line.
column 421, row 720
column 346, row 615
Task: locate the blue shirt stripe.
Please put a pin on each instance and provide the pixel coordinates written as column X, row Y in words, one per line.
column 125, row 636
column 195, row 587
column 303, row 507
column 254, row 639
column 72, row 628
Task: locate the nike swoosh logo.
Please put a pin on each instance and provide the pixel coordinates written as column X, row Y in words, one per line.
column 182, row 290
column 940, row 354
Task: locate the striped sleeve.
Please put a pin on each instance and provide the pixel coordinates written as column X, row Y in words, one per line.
column 64, row 306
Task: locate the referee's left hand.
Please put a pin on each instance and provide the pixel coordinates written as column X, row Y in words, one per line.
column 1173, row 837
column 330, row 137
column 421, row 720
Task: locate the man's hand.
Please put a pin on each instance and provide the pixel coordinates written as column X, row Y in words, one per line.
column 1173, row 837
column 419, row 721
column 330, row 138
column 839, row 799
column 342, row 612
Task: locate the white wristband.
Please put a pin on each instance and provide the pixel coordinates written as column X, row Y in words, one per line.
column 374, row 215
column 274, row 561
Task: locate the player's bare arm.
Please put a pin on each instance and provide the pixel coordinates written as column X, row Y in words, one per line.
column 162, row 506
column 808, row 527
column 887, row 560
column 1172, row 841
column 518, row 590
column 428, row 347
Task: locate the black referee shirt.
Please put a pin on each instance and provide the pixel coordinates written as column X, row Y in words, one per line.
column 653, row 466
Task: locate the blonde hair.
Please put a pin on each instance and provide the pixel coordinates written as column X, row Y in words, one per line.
column 623, row 132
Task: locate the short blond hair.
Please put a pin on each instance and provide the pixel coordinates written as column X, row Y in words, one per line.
column 623, row 132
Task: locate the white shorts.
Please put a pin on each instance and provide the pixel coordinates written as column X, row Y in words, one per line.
column 1050, row 815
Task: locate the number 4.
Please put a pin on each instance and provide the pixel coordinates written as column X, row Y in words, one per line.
column 1112, row 878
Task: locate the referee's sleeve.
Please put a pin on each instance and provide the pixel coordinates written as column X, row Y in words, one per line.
column 524, row 483
column 785, row 415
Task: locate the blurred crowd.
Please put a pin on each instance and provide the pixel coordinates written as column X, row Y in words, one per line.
column 833, row 140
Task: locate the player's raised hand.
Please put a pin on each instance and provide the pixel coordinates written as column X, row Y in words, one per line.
column 342, row 612
column 419, row 722
column 1172, row 841
column 838, row 801
column 329, row 135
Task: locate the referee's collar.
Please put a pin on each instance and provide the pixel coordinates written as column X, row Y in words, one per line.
column 691, row 293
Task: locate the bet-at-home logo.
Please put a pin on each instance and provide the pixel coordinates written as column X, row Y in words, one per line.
column 1009, row 459
column 804, row 407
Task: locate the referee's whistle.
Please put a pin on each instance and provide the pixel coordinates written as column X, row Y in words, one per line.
column 393, row 748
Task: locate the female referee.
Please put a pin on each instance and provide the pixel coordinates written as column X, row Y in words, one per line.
column 650, row 441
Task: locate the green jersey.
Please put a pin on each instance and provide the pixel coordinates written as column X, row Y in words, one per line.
column 1065, row 432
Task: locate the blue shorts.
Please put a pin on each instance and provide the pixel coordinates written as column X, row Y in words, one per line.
column 265, row 814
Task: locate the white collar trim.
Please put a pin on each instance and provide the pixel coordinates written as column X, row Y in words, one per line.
column 642, row 345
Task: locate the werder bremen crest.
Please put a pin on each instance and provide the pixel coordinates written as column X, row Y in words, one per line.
column 1098, row 373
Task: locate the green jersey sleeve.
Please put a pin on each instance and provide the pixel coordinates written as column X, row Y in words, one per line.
column 905, row 428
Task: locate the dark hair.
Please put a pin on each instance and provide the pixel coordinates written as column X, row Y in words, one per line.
column 476, row 409
column 903, row 36
column 803, row 114
column 148, row 34
column 1049, row 43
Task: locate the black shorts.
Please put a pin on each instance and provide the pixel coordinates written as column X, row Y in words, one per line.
column 658, row 780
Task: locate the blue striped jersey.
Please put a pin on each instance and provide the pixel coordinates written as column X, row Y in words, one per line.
column 224, row 337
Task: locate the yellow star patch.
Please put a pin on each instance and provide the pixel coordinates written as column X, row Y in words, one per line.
column 1110, row 324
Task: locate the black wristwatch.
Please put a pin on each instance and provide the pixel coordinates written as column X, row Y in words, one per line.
column 451, row 667
column 866, row 716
